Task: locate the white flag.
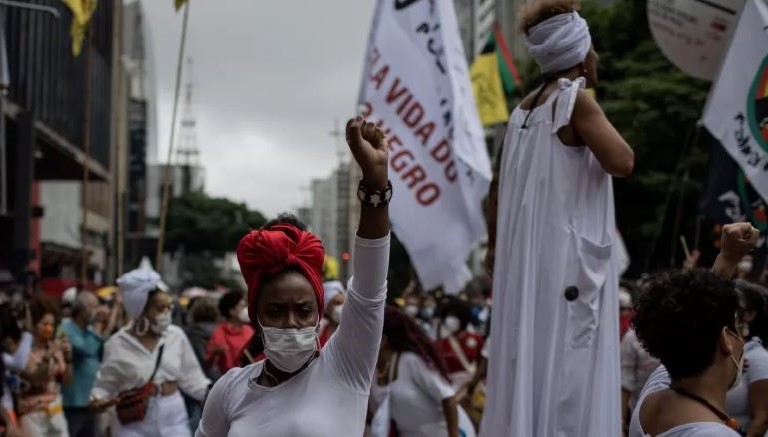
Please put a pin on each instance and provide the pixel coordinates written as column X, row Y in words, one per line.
column 737, row 108
column 416, row 85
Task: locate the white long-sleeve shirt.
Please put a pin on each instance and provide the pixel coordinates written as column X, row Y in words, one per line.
column 17, row 361
column 330, row 396
column 128, row 364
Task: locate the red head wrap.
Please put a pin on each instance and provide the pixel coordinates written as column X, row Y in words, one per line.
column 267, row 252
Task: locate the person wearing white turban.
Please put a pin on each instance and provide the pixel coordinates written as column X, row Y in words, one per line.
column 554, row 359
column 131, row 355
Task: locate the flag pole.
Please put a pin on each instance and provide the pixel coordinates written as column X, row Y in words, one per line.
column 87, row 159
column 167, row 175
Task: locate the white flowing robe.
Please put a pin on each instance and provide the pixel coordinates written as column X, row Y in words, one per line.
column 554, row 361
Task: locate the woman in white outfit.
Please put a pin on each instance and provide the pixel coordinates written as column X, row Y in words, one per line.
column 748, row 403
column 412, row 382
column 688, row 320
column 299, row 390
column 131, row 356
column 554, row 367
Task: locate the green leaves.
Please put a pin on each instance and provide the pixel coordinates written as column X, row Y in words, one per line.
column 199, row 223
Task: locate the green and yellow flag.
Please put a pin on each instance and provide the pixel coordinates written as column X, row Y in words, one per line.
column 179, row 4
column 82, row 11
column 489, row 92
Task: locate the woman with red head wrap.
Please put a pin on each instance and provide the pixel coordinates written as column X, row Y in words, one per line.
column 297, row 390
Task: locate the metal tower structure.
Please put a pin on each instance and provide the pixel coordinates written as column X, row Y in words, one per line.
column 187, row 151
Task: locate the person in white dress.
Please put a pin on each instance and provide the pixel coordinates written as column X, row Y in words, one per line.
column 300, row 390
column 748, row 403
column 131, row 356
column 554, row 367
column 689, row 321
column 413, row 380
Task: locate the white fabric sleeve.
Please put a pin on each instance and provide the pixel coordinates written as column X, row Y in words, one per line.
column 428, row 380
column 215, row 420
column 192, row 380
column 108, row 377
column 628, row 364
column 354, row 347
column 757, row 357
column 659, row 380
column 18, row 361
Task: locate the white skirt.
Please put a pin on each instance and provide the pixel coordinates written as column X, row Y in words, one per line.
column 166, row 417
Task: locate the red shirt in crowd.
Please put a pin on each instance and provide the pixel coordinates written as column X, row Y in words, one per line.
column 233, row 339
column 471, row 344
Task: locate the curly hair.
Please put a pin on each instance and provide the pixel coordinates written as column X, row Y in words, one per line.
column 39, row 306
column 755, row 298
column 680, row 317
column 534, row 13
column 285, row 218
column 404, row 335
column 229, row 301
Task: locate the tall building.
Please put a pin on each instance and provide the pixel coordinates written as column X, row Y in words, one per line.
column 43, row 144
column 324, row 212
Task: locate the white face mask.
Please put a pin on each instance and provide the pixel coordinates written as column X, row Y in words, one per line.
column 336, row 314
column 289, row 349
column 411, row 311
column 452, row 324
column 745, row 266
column 162, row 322
column 244, row 317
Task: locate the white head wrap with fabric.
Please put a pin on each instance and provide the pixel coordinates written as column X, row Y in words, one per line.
column 331, row 289
column 559, row 43
column 135, row 287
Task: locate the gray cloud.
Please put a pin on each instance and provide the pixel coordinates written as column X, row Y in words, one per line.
column 270, row 79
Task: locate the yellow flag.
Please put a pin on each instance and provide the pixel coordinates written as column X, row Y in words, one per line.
column 82, row 11
column 179, row 3
column 489, row 93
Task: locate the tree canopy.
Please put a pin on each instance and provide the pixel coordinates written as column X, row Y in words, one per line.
column 199, row 223
column 203, row 228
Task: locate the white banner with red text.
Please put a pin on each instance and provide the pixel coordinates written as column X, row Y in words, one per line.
column 416, row 87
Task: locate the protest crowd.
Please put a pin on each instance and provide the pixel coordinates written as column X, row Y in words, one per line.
column 550, row 341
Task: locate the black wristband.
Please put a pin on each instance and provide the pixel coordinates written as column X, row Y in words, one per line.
column 374, row 198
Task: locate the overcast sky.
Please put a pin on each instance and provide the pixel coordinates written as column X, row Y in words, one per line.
column 270, row 79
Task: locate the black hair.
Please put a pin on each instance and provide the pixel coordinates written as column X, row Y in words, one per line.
column 285, row 218
column 202, row 310
column 39, row 306
column 755, row 298
column 228, row 302
column 680, row 317
column 452, row 305
column 404, row 335
column 9, row 325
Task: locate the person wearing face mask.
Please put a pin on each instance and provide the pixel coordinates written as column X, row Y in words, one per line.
column 87, row 345
column 232, row 334
column 412, row 389
column 334, row 303
column 748, row 403
column 149, row 351
column 688, row 320
column 48, row 367
column 459, row 347
column 298, row 390
column 626, row 312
